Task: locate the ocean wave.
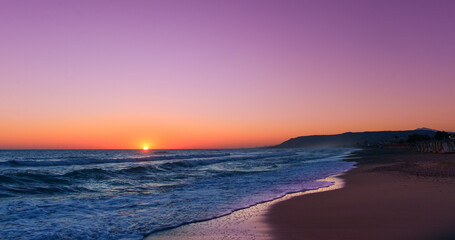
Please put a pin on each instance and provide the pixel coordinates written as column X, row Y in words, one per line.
column 88, row 161
column 69, row 178
column 32, row 177
column 139, row 193
column 34, row 181
column 40, row 190
column 172, row 164
column 204, row 162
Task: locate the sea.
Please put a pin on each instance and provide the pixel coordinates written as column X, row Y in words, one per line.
column 129, row 194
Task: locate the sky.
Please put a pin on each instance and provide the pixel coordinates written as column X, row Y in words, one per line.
column 220, row 74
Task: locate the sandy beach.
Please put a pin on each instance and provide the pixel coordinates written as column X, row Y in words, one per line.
column 392, row 194
column 244, row 224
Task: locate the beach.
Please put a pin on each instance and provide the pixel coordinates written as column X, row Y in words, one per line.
column 244, row 224
column 392, row 194
column 228, row 194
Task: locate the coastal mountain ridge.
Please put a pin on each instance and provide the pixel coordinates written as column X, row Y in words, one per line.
column 353, row 139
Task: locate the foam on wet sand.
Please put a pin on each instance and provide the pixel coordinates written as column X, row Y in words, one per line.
column 248, row 223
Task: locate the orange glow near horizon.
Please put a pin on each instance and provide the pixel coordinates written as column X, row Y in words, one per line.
column 243, row 126
column 232, row 129
column 179, row 137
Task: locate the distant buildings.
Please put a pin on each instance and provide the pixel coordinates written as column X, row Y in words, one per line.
column 436, row 146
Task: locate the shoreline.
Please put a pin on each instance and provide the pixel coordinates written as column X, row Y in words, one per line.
column 244, row 223
column 392, row 194
column 389, row 194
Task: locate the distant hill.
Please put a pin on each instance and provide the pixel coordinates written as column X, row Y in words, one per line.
column 350, row 139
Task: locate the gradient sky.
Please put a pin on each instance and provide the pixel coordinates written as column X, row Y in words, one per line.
column 209, row 74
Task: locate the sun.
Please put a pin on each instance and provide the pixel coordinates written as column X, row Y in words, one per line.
column 145, row 146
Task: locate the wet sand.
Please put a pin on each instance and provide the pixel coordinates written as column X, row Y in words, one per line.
column 243, row 224
column 393, row 194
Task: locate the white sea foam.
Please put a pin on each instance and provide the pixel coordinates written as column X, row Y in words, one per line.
column 116, row 199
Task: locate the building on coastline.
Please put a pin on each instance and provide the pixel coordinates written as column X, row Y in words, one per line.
column 436, row 146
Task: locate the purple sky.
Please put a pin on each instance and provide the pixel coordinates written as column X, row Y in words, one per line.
column 213, row 74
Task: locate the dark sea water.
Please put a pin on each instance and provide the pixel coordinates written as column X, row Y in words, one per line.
column 126, row 194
